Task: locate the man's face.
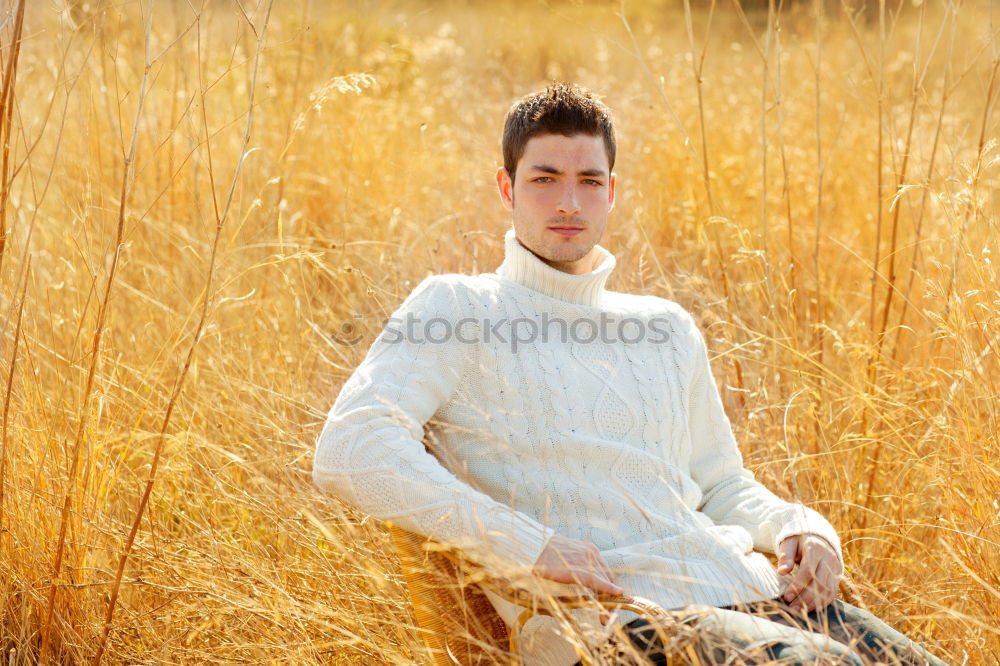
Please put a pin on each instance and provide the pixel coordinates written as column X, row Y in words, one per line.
column 561, row 198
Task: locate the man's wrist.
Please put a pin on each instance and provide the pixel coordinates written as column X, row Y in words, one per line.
column 826, row 540
column 802, row 520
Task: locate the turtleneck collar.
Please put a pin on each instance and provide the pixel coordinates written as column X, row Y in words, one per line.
column 522, row 266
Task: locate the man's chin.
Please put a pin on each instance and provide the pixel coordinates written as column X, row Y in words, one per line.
column 564, row 257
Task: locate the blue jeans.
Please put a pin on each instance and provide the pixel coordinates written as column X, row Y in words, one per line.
column 765, row 631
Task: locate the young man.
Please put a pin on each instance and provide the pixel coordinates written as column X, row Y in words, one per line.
column 578, row 431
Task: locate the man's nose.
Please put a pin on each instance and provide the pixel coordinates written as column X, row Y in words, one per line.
column 568, row 204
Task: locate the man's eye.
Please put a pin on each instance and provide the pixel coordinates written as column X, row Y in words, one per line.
column 590, row 181
column 542, row 179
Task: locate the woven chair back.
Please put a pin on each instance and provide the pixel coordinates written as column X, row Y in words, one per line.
column 456, row 621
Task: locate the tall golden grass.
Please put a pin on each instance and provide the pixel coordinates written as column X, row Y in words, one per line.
column 198, row 197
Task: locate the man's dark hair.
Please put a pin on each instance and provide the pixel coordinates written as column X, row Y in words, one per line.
column 561, row 108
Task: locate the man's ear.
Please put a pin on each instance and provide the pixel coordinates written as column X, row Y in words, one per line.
column 506, row 187
column 611, row 191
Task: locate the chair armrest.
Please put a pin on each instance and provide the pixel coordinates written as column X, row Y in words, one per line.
column 541, row 596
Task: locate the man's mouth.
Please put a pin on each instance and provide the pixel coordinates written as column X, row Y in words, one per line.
column 566, row 230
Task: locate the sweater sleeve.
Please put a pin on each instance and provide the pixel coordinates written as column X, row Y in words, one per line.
column 730, row 494
column 370, row 452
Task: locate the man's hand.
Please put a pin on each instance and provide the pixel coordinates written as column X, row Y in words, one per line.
column 567, row 560
column 815, row 584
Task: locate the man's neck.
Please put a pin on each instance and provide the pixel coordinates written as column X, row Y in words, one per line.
column 524, row 267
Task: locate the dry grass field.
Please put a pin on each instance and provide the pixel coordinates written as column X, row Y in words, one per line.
column 198, row 197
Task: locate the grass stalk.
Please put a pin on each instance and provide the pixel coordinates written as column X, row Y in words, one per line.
column 8, row 391
column 199, row 328
column 765, row 85
column 817, row 318
column 820, row 168
column 972, row 207
column 6, row 116
column 786, row 190
column 918, row 82
column 128, row 175
column 658, row 84
column 879, row 176
column 697, row 66
column 926, row 188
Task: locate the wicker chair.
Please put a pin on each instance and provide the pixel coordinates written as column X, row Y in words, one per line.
column 459, row 625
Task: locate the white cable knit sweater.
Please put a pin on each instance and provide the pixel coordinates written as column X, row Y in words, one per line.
column 609, row 428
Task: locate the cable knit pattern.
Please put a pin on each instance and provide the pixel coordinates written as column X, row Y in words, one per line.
column 618, row 439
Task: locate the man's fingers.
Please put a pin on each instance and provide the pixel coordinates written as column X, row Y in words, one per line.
column 567, row 560
column 602, row 585
column 607, row 570
column 802, row 579
column 815, row 583
column 826, row 575
column 602, row 566
column 806, row 601
column 605, row 573
column 786, row 557
column 832, row 569
column 813, row 597
column 830, row 580
column 818, row 593
column 596, row 582
column 587, row 578
column 599, row 576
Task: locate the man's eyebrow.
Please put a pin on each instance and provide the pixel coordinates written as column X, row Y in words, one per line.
column 545, row 168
